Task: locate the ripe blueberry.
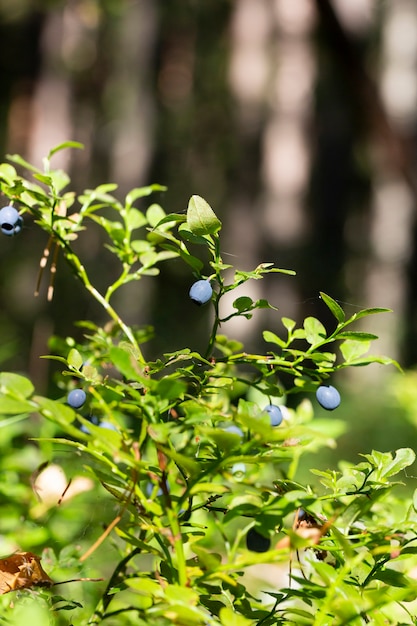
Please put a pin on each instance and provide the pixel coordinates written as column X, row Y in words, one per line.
column 275, row 414
column 10, row 221
column 149, row 489
column 93, row 419
column 328, row 397
column 107, row 425
column 76, row 398
column 235, row 430
column 201, row 292
column 257, row 542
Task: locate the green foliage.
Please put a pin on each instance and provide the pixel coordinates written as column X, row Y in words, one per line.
column 184, row 490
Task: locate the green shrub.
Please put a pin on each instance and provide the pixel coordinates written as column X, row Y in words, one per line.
column 186, row 453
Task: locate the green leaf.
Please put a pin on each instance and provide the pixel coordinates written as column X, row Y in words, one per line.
column 59, row 180
column 126, row 363
column 16, row 158
column 64, row 145
column 264, row 304
column 58, row 413
column 315, row 331
column 16, row 385
column 43, row 178
column 366, row 312
column 12, row 406
column 393, row 578
column 171, row 388
column 187, row 235
column 155, row 214
column 194, row 262
column 334, row 307
column 75, row 359
column 288, row 323
column 352, row 350
column 135, row 219
column 357, row 335
column 141, row 192
column 8, row 173
column 273, row 338
column 383, row 360
column 404, row 457
column 201, row 219
column 212, row 488
column 244, row 303
column 228, row 617
column 185, row 462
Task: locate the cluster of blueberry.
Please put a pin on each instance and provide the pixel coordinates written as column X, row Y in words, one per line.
column 10, row 221
column 327, row 396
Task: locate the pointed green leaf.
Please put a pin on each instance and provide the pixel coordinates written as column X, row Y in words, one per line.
column 334, row 307
column 64, row 145
column 194, row 262
column 356, row 335
column 16, row 158
column 366, row 312
column 383, row 360
column 201, row 219
column 141, row 192
column 75, row 359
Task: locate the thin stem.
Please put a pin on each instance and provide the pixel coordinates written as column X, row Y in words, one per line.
column 80, row 271
column 215, row 328
column 118, row 283
column 178, row 548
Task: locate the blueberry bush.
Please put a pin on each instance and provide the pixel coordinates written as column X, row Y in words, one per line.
column 193, row 457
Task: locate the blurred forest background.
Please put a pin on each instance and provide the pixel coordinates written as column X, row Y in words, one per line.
column 295, row 119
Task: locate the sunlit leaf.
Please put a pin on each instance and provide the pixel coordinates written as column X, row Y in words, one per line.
column 201, row 219
column 315, row 331
column 64, row 145
column 334, row 307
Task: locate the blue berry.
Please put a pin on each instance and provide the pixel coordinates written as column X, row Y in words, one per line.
column 149, row 489
column 94, row 420
column 257, row 542
column 328, row 397
column 10, row 221
column 76, row 398
column 108, row 425
column 275, row 414
column 235, row 430
column 201, row 292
